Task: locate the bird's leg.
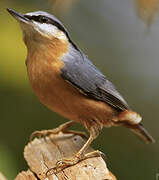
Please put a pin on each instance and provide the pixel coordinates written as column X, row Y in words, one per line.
column 94, row 132
column 62, row 128
column 43, row 133
column 80, row 155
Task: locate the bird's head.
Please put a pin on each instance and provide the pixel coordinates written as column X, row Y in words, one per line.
column 40, row 27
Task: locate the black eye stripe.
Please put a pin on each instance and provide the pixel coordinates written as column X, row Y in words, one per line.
column 55, row 23
column 43, row 19
column 47, row 21
column 59, row 26
column 35, row 18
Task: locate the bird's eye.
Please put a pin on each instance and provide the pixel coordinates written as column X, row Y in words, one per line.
column 43, row 19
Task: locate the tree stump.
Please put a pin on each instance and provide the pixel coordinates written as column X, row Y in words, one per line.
column 42, row 155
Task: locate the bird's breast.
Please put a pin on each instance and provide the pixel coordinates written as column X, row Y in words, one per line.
column 59, row 95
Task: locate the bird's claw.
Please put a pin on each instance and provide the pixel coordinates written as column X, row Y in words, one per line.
column 64, row 163
column 40, row 134
column 45, row 133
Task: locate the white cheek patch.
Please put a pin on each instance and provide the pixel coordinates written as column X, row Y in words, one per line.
column 46, row 28
column 49, row 30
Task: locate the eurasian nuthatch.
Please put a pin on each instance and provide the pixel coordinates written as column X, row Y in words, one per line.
column 68, row 83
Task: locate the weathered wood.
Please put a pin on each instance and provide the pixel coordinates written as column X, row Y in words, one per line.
column 26, row 175
column 42, row 155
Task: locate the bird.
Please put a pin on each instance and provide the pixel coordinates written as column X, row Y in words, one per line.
column 68, row 83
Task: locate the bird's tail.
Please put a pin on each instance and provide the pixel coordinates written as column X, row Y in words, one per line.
column 141, row 132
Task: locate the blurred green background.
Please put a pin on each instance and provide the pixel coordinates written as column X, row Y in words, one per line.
column 120, row 44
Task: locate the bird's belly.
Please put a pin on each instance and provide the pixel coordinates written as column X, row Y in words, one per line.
column 64, row 99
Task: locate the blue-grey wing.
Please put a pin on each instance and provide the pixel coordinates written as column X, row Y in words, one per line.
column 82, row 74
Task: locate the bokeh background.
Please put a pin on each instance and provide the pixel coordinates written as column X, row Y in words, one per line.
column 121, row 37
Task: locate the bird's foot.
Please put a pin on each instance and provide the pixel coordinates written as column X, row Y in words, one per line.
column 45, row 133
column 64, row 163
column 42, row 133
column 62, row 128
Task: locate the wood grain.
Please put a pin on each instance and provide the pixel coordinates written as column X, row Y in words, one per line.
column 42, row 155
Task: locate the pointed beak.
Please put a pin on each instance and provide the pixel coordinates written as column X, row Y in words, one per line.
column 18, row 16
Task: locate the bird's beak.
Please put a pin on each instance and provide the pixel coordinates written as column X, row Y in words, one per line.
column 18, row 16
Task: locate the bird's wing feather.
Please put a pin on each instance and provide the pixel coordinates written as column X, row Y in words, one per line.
column 82, row 74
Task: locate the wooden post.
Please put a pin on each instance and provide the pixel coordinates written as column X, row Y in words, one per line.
column 42, row 155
